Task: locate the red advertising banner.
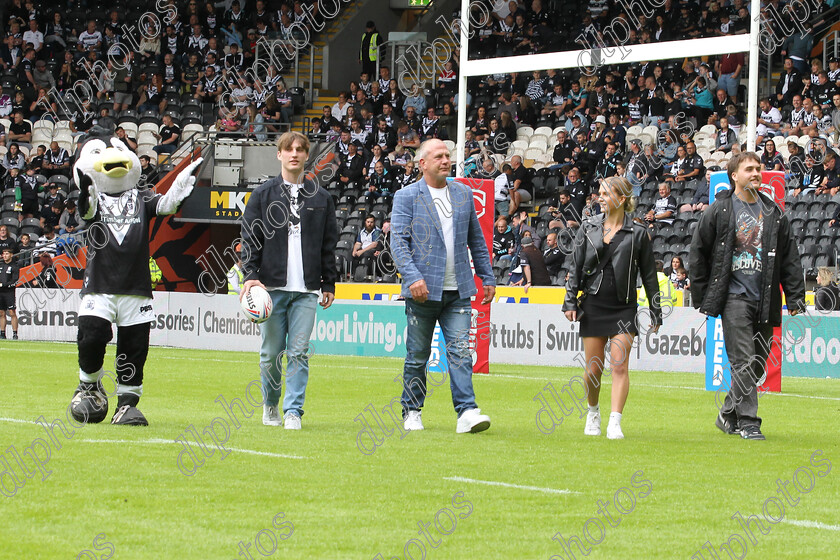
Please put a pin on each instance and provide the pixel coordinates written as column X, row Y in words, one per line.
column 483, row 195
column 773, row 185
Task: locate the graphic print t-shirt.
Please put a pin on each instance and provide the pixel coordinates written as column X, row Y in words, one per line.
column 746, row 258
column 118, row 248
column 294, row 263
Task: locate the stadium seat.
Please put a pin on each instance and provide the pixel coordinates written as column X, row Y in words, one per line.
column 526, row 131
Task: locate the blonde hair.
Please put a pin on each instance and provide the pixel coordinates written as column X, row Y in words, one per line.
column 824, row 276
column 620, row 186
column 287, row 139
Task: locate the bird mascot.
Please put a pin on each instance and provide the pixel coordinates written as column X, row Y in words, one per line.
column 117, row 285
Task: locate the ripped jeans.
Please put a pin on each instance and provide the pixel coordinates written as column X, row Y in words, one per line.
column 454, row 314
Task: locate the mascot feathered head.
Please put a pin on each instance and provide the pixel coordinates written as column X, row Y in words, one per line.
column 110, row 165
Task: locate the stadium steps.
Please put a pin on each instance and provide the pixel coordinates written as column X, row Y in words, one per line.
column 318, row 64
column 337, row 24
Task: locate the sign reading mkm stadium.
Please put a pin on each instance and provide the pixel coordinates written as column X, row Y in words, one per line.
column 215, row 204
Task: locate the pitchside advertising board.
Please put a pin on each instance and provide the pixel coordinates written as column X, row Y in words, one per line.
column 717, row 362
column 536, row 334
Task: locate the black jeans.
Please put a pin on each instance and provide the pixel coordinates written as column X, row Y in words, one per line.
column 747, row 345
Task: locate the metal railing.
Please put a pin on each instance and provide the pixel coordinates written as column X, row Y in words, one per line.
column 286, row 47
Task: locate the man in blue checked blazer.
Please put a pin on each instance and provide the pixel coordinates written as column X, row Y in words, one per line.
column 433, row 224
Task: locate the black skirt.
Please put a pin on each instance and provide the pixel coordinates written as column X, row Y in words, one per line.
column 604, row 314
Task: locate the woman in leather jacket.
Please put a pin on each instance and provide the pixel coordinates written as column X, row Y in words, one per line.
column 610, row 251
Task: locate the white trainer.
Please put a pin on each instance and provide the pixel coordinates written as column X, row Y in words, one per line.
column 412, row 422
column 593, row 424
column 614, row 431
column 271, row 416
column 291, row 421
column 472, row 421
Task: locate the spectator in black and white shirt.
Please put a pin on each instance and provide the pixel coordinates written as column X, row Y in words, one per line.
column 664, row 209
column 90, row 39
column 209, row 89
column 57, row 160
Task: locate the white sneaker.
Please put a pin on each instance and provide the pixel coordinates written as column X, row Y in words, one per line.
column 271, row 415
column 412, row 422
column 593, row 424
column 614, row 431
column 291, row 421
column 472, row 421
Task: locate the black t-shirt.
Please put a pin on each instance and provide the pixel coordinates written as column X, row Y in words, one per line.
column 121, row 263
column 20, row 128
column 520, row 174
column 24, row 66
column 746, row 257
column 84, row 122
column 8, row 243
column 192, row 74
column 167, row 131
column 9, row 274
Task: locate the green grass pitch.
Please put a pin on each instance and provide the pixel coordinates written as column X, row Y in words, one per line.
column 124, row 484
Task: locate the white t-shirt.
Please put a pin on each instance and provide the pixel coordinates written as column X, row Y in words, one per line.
column 502, row 187
column 443, row 205
column 294, row 262
column 34, row 37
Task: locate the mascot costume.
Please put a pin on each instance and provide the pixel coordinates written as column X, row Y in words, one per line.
column 117, row 285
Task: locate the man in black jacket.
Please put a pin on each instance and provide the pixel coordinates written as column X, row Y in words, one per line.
column 8, row 281
column 742, row 249
column 289, row 234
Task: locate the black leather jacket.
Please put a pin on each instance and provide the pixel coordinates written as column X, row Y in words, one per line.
column 710, row 260
column 633, row 256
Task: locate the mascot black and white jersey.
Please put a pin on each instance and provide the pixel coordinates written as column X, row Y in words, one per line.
column 117, row 285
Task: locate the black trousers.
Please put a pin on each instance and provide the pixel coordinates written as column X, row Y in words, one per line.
column 747, row 345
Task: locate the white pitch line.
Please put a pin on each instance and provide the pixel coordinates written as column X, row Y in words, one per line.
column 812, row 524
column 17, row 421
column 506, row 485
column 159, row 441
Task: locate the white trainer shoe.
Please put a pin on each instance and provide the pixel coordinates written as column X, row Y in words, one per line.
column 271, row 416
column 472, row 421
column 614, row 431
column 593, row 424
column 412, row 422
column 291, row 421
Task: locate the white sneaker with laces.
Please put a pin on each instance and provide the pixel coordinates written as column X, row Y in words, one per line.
column 271, row 415
column 412, row 422
column 593, row 424
column 614, row 431
column 291, row 421
column 472, row 421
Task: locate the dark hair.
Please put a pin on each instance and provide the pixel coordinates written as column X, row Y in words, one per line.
column 659, row 266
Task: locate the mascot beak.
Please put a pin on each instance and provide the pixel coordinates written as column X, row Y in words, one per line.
column 113, row 163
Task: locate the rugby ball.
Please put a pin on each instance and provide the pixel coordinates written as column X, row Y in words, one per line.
column 256, row 304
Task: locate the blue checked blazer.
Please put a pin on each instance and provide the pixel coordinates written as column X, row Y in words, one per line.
column 417, row 240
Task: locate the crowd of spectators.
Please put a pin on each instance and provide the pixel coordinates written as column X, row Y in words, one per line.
column 65, row 68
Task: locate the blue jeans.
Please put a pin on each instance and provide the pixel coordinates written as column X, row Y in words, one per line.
column 165, row 148
column 293, row 316
column 728, row 83
column 454, row 315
